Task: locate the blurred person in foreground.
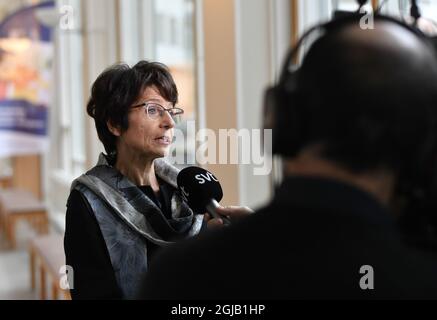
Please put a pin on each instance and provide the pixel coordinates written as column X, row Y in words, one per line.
column 361, row 131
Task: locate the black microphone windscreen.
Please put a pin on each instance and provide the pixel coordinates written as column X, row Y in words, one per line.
column 342, row 14
column 198, row 187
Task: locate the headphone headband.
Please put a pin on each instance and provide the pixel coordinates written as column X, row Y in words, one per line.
column 337, row 24
column 281, row 107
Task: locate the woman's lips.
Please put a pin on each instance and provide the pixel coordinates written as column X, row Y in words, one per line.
column 163, row 140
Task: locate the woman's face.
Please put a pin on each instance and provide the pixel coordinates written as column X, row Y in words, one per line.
column 145, row 136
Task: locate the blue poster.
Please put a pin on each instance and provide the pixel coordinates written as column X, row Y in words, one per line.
column 26, row 80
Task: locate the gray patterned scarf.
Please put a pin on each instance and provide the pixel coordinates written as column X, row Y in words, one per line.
column 135, row 209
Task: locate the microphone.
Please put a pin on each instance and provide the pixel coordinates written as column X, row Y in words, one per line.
column 415, row 11
column 201, row 190
column 361, row 3
column 340, row 14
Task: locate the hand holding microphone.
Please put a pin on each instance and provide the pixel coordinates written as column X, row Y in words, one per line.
column 203, row 192
column 233, row 212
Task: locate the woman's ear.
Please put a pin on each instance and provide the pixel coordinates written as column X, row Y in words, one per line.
column 115, row 130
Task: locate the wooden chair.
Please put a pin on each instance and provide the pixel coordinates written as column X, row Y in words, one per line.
column 46, row 259
column 17, row 205
column 22, row 200
column 26, row 174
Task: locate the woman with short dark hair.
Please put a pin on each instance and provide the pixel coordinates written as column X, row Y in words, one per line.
column 127, row 206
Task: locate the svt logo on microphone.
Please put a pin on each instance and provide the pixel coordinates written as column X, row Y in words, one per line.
column 203, row 178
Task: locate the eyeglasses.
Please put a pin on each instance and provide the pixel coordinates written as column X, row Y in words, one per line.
column 155, row 111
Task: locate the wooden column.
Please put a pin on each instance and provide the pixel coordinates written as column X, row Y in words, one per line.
column 294, row 22
column 220, row 87
column 32, row 269
column 294, row 14
column 42, row 277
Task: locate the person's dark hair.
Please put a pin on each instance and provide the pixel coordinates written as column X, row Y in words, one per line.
column 120, row 86
column 368, row 107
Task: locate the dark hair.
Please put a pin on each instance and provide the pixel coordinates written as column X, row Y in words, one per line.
column 368, row 107
column 117, row 88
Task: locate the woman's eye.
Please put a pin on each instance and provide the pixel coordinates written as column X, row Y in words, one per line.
column 153, row 110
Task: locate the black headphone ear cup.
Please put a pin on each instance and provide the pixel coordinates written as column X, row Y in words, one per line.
column 270, row 105
column 287, row 133
column 281, row 105
column 272, row 115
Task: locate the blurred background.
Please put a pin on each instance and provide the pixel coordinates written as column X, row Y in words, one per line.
column 222, row 53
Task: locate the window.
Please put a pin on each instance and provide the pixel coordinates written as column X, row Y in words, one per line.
column 173, row 45
column 69, row 118
column 163, row 31
column 66, row 158
column 428, row 8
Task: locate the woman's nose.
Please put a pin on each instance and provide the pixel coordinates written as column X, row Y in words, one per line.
column 167, row 121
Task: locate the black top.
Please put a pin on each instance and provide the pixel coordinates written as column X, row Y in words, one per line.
column 311, row 241
column 162, row 199
column 94, row 276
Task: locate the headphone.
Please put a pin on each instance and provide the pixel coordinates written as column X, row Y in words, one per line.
column 284, row 113
column 283, row 103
